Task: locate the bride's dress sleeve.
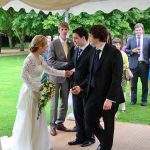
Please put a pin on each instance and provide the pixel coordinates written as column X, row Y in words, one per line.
column 29, row 65
column 52, row 71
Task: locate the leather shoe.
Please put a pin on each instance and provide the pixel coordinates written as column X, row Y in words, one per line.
column 53, row 131
column 143, row 104
column 74, row 129
column 61, row 127
column 87, row 143
column 75, row 142
column 132, row 103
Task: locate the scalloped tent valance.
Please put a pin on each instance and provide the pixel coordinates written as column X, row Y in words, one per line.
column 75, row 6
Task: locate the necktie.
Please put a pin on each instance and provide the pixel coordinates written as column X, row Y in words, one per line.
column 95, row 67
column 139, row 42
column 65, row 47
column 79, row 53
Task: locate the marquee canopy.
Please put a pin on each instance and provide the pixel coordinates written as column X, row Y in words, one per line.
column 75, row 6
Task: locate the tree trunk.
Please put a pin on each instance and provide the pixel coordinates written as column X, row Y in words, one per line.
column 0, row 43
column 10, row 41
column 21, row 46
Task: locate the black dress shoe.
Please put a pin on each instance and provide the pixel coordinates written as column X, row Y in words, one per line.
column 75, row 142
column 74, row 129
column 143, row 104
column 87, row 143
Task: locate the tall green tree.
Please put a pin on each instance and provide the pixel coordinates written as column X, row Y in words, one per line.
column 6, row 19
column 20, row 27
column 51, row 23
column 28, row 24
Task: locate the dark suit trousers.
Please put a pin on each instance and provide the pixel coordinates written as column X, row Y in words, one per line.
column 79, row 113
column 142, row 72
column 93, row 112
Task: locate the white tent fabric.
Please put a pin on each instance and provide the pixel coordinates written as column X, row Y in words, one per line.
column 74, row 6
column 108, row 5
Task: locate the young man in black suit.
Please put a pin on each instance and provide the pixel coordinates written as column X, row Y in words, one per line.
column 104, row 85
column 80, row 63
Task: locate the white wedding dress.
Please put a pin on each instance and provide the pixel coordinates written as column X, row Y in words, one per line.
column 28, row 132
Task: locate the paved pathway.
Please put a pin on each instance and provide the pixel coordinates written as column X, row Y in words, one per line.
column 127, row 137
column 12, row 52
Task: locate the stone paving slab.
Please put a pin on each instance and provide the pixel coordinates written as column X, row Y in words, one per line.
column 127, row 137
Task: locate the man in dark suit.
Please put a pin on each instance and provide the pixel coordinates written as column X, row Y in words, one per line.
column 59, row 54
column 138, row 49
column 80, row 63
column 104, row 85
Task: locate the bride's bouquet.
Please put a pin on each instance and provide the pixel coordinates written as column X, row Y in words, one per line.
column 47, row 93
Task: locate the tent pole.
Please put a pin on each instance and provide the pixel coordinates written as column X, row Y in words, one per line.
column 66, row 16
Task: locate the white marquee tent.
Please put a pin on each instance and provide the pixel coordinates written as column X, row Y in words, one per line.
column 74, row 6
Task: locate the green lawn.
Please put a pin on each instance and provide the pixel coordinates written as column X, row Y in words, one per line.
column 10, row 83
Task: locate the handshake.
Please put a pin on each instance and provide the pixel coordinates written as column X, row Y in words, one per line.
column 68, row 73
column 76, row 89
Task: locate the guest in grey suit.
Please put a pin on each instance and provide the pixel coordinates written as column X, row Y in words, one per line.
column 138, row 49
column 58, row 55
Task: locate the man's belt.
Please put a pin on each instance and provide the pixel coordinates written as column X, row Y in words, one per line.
column 140, row 62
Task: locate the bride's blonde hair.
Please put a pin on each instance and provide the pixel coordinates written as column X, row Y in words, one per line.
column 38, row 40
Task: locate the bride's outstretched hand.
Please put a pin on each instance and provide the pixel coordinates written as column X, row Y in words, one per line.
column 68, row 73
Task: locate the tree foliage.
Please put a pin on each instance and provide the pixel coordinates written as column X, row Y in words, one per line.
column 6, row 19
column 51, row 23
column 22, row 24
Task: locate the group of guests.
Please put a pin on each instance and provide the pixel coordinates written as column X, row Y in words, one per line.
column 95, row 84
column 92, row 68
column 82, row 83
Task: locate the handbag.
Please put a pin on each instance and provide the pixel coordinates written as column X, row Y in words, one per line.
column 129, row 74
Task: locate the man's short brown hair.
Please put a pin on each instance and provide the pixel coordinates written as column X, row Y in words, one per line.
column 99, row 32
column 64, row 25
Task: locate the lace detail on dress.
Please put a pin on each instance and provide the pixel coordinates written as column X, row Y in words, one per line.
column 52, row 71
column 31, row 72
column 28, row 71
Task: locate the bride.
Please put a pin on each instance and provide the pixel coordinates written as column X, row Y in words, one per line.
column 28, row 132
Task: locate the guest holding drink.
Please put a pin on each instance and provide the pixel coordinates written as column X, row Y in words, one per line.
column 138, row 48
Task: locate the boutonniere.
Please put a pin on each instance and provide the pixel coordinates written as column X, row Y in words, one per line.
column 69, row 41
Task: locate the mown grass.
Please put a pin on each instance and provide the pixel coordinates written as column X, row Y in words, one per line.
column 10, row 83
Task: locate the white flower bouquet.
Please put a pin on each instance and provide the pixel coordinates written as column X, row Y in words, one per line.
column 47, row 93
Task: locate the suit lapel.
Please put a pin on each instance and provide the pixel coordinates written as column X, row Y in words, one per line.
column 92, row 59
column 75, row 57
column 61, row 47
column 145, row 52
column 83, row 53
column 134, row 41
column 144, row 40
column 104, row 54
column 69, row 48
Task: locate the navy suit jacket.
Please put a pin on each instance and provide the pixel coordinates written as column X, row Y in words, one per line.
column 133, row 57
